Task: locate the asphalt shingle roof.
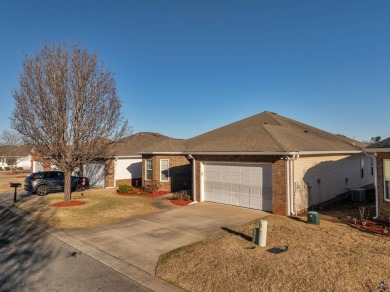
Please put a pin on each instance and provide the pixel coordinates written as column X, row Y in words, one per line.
column 18, row 151
column 264, row 132
column 132, row 145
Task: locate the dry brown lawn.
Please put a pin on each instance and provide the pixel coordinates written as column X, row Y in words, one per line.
column 103, row 206
column 328, row 257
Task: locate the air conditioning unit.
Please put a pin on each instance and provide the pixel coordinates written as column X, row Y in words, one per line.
column 358, row 195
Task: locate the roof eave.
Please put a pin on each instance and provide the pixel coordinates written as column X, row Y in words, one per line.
column 373, row 150
column 223, row 153
column 330, row 152
column 128, row 156
column 162, row 152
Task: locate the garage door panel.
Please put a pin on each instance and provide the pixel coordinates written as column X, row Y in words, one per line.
column 235, row 189
column 235, row 200
column 240, row 185
column 245, row 191
column 256, row 204
column 95, row 171
column 245, row 202
column 216, row 177
column 225, row 199
column 256, row 179
column 256, row 192
column 246, row 179
column 226, row 188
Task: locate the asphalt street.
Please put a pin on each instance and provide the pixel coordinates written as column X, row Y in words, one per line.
column 33, row 260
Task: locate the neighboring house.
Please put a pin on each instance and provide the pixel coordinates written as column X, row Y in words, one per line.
column 266, row 162
column 18, row 156
column 128, row 161
column 382, row 152
column 123, row 163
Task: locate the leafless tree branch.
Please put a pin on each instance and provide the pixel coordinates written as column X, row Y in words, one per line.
column 67, row 106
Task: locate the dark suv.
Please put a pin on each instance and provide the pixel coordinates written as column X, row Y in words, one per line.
column 44, row 182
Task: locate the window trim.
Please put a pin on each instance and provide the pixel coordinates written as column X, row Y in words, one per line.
column 361, row 167
column 384, row 181
column 150, row 169
column 167, row 180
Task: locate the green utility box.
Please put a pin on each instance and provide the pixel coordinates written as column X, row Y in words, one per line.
column 313, row 218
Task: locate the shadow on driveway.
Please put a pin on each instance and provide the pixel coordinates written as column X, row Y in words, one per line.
column 22, row 251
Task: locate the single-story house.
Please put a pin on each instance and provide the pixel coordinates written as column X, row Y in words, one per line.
column 18, row 156
column 381, row 150
column 124, row 163
column 266, row 162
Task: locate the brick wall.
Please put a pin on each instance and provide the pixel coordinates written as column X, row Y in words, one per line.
column 179, row 172
column 384, row 206
column 279, row 187
column 279, row 179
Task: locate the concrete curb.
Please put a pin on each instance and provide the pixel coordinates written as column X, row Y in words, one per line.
column 113, row 262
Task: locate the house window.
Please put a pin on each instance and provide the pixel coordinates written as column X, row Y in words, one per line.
column 372, row 166
column 148, row 169
column 164, row 169
column 362, row 167
column 386, row 178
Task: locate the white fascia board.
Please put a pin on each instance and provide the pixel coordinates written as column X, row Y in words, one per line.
column 330, row 152
column 242, row 153
column 374, row 150
column 163, row 153
column 222, row 153
column 128, row 156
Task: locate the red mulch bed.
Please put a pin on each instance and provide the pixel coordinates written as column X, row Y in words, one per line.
column 181, row 202
column 140, row 193
column 69, row 204
column 372, row 226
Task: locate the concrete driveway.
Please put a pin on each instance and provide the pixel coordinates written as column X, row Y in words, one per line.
column 140, row 241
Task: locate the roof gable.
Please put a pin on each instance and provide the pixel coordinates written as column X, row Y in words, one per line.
column 268, row 131
column 264, row 132
column 132, row 145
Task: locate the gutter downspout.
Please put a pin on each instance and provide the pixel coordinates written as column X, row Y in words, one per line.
column 294, row 205
column 291, row 207
column 373, row 156
column 288, row 186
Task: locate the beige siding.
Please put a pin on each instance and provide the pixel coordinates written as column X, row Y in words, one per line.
column 326, row 176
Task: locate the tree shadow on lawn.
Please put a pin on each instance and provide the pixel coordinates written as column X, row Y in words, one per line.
column 23, row 252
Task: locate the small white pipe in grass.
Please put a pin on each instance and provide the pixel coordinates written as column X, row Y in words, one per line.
column 263, row 233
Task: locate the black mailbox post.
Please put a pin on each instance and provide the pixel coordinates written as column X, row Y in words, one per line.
column 15, row 185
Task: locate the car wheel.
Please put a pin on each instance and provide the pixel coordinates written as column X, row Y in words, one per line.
column 42, row 190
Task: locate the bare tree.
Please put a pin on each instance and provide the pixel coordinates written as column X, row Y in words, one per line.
column 67, row 107
column 10, row 142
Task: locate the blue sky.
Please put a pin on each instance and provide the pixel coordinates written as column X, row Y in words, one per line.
column 186, row 67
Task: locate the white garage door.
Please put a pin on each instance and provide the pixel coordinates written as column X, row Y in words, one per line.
column 245, row 185
column 95, row 171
